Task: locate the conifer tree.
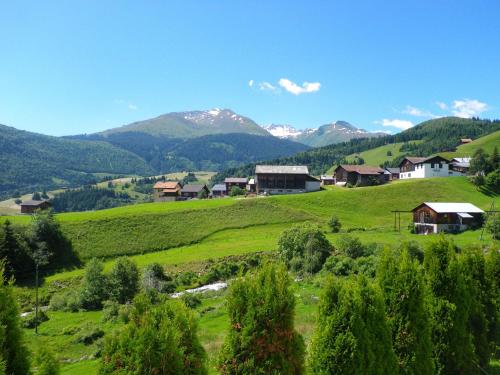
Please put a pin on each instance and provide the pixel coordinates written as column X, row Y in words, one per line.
column 13, row 353
column 261, row 337
column 402, row 285
column 158, row 339
column 46, row 362
column 450, row 306
column 352, row 336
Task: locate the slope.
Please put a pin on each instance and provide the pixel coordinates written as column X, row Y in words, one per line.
column 31, row 161
column 487, row 143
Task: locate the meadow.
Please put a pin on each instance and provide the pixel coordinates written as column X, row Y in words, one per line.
column 190, row 235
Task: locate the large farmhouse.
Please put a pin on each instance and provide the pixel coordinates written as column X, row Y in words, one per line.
column 166, row 190
column 195, row 191
column 284, row 179
column 434, row 166
column 29, row 207
column 431, row 217
column 360, row 175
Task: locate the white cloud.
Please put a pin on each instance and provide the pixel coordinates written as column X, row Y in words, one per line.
column 396, row 123
column 293, row 88
column 250, row 83
column 442, row 105
column 266, row 86
column 468, row 108
column 133, row 107
column 417, row 112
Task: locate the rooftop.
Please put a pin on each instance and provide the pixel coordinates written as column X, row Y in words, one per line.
column 193, row 188
column 166, row 185
column 32, row 203
column 219, row 187
column 445, row 207
column 362, row 169
column 236, row 180
column 418, row 160
column 281, row 169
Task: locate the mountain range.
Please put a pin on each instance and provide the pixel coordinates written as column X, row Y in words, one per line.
column 328, row 134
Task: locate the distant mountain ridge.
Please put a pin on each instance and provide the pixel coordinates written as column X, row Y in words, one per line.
column 192, row 124
column 335, row 132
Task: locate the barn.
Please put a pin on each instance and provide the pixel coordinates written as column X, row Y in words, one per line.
column 284, row 179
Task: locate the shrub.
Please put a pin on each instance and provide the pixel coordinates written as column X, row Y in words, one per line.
column 110, row 311
column 236, row 190
column 350, row 246
column 334, row 224
column 18, row 201
column 123, row 280
column 261, row 337
column 191, row 300
column 88, row 335
column 304, row 248
column 13, row 352
column 351, row 335
column 493, row 225
column 95, row 285
column 30, row 322
column 158, row 339
column 340, row 265
column 69, row 301
column 46, row 362
column 153, row 277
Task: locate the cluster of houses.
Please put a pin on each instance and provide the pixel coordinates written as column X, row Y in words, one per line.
column 410, row 167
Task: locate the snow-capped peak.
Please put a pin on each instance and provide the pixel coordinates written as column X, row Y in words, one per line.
column 283, row 131
column 214, row 111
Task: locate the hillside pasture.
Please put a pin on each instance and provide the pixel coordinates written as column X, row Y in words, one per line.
column 487, row 143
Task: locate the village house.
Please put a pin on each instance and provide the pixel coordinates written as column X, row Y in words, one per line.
column 284, row 179
column 251, row 186
column 446, row 217
column 392, row 173
column 460, row 165
column 433, row 166
column 166, row 191
column 464, row 141
column 29, row 207
column 359, row 175
column 327, row 180
column 241, row 182
column 219, row 190
column 194, row 191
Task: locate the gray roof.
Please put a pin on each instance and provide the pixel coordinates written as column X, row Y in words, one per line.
column 32, row 203
column 192, row 188
column 392, row 170
column 236, row 180
column 281, row 169
column 219, row 187
column 447, row 207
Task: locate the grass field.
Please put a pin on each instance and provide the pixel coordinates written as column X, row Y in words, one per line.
column 184, row 235
column 487, row 143
column 378, row 155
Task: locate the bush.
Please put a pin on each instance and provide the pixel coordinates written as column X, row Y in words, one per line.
column 89, row 335
column 262, row 338
column 153, row 277
column 30, row 322
column 350, row 246
column 110, row 311
column 46, row 362
column 340, row 265
column 69, row 301
column 191, row 300
column 334, row 224
column 95, row 285
column 18, row 201
column 304, row 248
column 158, row 339
column 492, row 181
column 123, row 280
column 236, row 190
column 493, row 225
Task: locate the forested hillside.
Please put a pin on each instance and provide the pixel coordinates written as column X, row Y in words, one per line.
column 437, row 135
column 30, row 161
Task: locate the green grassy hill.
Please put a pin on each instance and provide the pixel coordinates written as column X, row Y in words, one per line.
column 487, row 143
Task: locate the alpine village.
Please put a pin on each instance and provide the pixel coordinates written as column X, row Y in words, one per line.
column 206, row 241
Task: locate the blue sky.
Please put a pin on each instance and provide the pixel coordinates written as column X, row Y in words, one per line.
column 69, row 67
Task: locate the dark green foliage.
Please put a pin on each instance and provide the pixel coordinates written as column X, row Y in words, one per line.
column 191, row 300
column 31, row 322
column 439, row 135
column 351, row 246
column 36, row 196
column 340, row 265
column 110, row 311
column 479, row 162
column 335, row 224
column 414, row 250
column 89, row 335
column 95, row 287
column 492, row 270
column 449, row 306
column 14, row 251
column 158, row 340
column 352, row 336
column 123, row 280
column 154, row 277
column 189, row 179
column 492, row 181
column 12, row 349
column 304, row 248
column 402, row 284
column 88, row 198
column 236, row 190
column 69, row 301
column 261, row 337
column 32, row 162
column 45, row 362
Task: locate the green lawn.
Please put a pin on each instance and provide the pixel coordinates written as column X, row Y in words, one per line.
column 378, row 155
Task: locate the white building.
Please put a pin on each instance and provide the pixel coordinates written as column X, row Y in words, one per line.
column 434, row 166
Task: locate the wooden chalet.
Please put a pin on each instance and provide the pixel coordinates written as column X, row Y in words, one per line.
column 219, row 190
column 460, row 165
column 241, row 182
column 166, row 190
column 29, row 207
column 284, row 179
column 360, row 175
column 430, row 217
column 327, row 180
column 426, row 167
column 191, row 191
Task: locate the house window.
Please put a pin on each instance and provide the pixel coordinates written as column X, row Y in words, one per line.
column 409, row 174
column 440, row 165
column 432, row 165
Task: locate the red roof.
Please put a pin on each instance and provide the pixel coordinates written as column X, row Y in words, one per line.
column 167, row 185
column 362, row 169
